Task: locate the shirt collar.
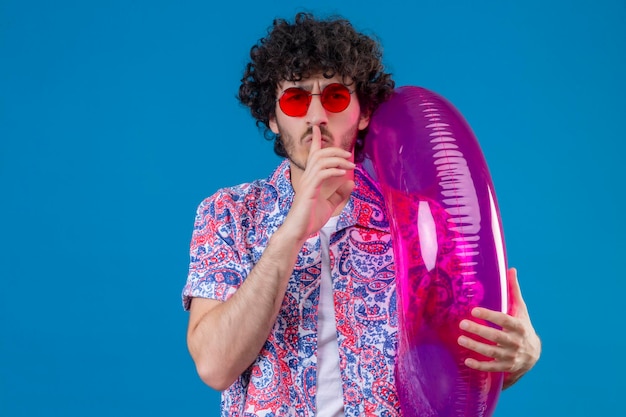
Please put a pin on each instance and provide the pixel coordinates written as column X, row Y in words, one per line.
column 366, row 206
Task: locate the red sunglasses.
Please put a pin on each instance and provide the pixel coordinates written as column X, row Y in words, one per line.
column 295, row 101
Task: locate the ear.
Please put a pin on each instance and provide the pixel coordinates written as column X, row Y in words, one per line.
column 364, row 121
column 273, row 124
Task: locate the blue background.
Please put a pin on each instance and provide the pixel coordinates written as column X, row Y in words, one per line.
column 118, row 117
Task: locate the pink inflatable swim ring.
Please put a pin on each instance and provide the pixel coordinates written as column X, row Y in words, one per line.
column 449, row 249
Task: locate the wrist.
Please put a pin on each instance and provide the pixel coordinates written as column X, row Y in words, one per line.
column 287, row 240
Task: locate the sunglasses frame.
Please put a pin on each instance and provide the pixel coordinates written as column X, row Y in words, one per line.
column 310, row 98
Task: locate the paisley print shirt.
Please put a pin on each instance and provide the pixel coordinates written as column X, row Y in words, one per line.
column 233, row 227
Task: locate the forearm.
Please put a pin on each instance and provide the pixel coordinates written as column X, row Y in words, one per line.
column 225, row 340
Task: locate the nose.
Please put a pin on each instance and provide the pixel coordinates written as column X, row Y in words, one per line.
column 316, row 115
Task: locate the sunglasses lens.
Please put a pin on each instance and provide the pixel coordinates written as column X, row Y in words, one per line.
column 336, row 98
column 294, row 102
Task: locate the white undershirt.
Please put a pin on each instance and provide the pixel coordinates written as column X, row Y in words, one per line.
column 329, row 391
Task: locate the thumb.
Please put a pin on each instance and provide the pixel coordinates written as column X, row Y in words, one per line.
column 342, row 193
column 516, row 302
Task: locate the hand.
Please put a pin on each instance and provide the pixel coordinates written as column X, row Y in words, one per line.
column 516, row 347
column 322, row 188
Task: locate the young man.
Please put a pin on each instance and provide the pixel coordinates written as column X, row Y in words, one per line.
column 291, row 288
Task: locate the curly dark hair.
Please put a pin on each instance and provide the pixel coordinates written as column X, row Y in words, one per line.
column 292, row 52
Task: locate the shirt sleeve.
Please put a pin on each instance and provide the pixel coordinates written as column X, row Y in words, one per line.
column 215, row 267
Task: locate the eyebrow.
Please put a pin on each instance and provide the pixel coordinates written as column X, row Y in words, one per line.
column 292, row 84
column 309, row 86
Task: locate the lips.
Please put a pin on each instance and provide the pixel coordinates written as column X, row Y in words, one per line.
column 325, row 140
column 326, row 136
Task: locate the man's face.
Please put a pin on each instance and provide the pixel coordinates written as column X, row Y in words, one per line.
column 338, row 129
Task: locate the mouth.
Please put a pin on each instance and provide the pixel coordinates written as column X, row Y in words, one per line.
column 325, row 140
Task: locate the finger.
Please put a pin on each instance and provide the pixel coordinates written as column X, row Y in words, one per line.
column 499, row 319
column 330, row 179
column 316, row 140
column 514, row 288
column 342, row 193
column 486, row 332
column 334, row 159
column 517, row 306
column 486, row 366
column 486, row 349
column 321, row 169
column 333, row 151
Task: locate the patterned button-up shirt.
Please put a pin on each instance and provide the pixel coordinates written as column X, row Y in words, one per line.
column 232, row 229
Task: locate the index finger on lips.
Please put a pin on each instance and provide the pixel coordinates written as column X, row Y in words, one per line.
column 316, row 140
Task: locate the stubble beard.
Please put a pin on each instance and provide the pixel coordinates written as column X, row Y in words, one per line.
column 347, row 143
